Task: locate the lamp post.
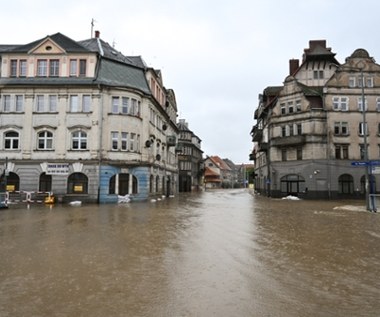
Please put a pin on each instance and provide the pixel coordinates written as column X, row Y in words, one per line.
column 365, row 156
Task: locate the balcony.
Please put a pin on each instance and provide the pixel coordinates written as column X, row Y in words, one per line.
column 263, row 147
column 289, row 140
column 257, row 134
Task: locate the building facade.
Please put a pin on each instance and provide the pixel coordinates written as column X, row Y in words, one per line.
column 85, row 122
column 190, row 159
column 309, row 132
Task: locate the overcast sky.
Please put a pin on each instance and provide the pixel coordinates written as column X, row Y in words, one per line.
column 217, row 55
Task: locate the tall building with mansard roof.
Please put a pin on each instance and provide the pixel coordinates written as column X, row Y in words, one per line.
column 83, row 121
column 310, row 132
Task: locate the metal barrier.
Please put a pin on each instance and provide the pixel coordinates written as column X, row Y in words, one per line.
column 27, row 197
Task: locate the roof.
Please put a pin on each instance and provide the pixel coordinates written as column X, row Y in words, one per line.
column 117, row 74
column 220, row 163
column 63, row 41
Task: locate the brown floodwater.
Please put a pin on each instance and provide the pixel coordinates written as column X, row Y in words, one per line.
column 215, row 253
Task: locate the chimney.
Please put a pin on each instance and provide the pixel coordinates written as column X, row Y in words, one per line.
column 294, row 64
column 97, row 34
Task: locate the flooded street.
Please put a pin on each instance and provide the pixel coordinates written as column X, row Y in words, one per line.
column 216, row 253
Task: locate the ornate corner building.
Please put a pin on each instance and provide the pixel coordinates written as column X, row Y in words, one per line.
column 81, row 120
column 316, row 135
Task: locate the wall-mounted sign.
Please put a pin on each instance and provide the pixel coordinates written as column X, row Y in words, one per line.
column 57, row 169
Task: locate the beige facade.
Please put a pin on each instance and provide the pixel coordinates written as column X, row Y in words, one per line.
column 84, row 105
column 309, row 134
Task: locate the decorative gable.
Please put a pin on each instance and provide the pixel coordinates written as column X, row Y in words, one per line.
column 47, row 47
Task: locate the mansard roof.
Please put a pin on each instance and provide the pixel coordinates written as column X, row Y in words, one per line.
column 117, row 74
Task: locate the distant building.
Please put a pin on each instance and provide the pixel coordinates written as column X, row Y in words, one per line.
column 190, row 158
column 84, row 121
column 217, row 173
column 310, row 130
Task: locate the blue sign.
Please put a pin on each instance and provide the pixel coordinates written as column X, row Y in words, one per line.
column 359, row 163
column 369, row 163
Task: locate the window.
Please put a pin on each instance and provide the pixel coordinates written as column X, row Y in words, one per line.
column 22, row 68
column 40, row 100
column 352, row 82
column 73, row 67
column 79, row 140
column 299, row 129
column 42, row 68
column 53, row 103
column 86, row 103
column 45, row 140
column 124, row 106
column 124, row 141
column 135, row 107
column 341, row 128
column 369, row 82
column 363, row 128
column 7, row 103
column 340, row 103
column 346, row 184
column 19, row 103
column 378, row 104
column 291, row 129
column 298, row 105
column 74, row 106
column 283, row 131
column 283, row 108
column 132, row 142
column 82, row 67
column 54, row 68
column 13, row 67
column 318, row 74
column 114, row 140
column 283, row 155
column 11, row 140
column 299, row 153
column 290, row 107
column 341, row 152
column 360, row 104
column 77, row 183
column 378, row 129
column 115, row 104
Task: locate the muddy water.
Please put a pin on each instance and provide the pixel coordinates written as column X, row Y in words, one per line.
column 218, row 253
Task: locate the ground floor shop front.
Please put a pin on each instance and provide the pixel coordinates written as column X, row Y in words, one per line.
column 86, row 182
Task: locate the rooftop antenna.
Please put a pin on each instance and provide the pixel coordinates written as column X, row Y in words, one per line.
column 92, row 26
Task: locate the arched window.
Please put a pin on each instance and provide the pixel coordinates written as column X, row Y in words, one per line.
column 45, row 140
column 10, row 183
column 346, row 184
column 292, row 184
column 79, row 140
column 372, row 184
column 134, row 185
column 77, row 183
column 11, row 140
column 45, row 183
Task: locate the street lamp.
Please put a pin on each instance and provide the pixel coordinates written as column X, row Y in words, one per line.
column 365, row 129
column 365, row 156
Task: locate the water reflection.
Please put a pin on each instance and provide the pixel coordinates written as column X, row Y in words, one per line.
column 217, row 253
